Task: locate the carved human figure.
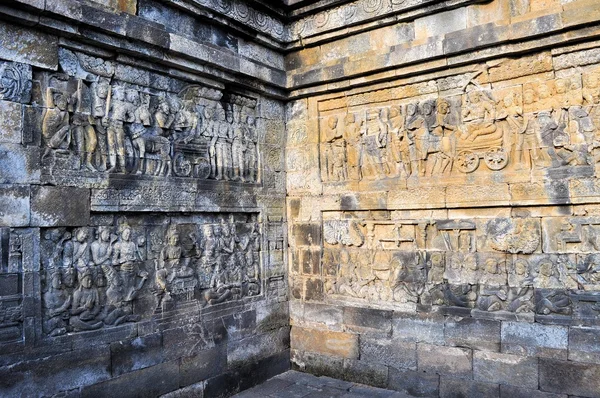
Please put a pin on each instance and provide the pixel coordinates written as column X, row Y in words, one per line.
column 100, row 93
column 443, row 133
column 119, row 111
column 81, row 251
column 210, row 255
column 57, row 302
column 530, row 149
column 83, row 127
column 101, row 248
column 335, row 153
column 478, row 114
column 351, row 133
column 126, row 256
column 56, row 128
column 572, row 147
column 374, row 140
column 118, row 308
column 417, row 134
column 251, row 153
column 168, row 263
column 86, row 304
column 238, row 149
column 398, row 143
column 223, row 158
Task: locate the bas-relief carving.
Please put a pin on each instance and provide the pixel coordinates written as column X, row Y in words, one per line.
column 14, row 260
column 547, row 127
column 496, row 265
column 99, row 277
column 94, row 122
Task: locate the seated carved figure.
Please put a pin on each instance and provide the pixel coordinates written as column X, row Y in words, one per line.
column 117, row 309
column 478, row 115
column 56, row 305
column 86, row 304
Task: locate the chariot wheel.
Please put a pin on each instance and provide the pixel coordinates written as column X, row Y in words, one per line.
column 467, row 161
column 181, row 166
column 496, row 158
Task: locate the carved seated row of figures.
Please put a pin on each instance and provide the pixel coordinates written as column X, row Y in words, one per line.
column 113, row 127
column 549, row 124
column 92, row 284
column 486, row 283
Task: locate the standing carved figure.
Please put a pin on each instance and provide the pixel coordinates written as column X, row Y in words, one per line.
column 119, row 111
column 238, row 149
column 352, row 136
column 126, row 256
column 251, row 154
column 417, row 134
column 83, row 126
column 374, row 141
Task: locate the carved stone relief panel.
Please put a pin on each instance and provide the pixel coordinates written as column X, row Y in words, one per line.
column 136, row 266
column 504, row 266
column 469, row 133
column 98, row 117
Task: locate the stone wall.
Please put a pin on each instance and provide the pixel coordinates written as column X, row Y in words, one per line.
column 447, row 244
column 142, row 219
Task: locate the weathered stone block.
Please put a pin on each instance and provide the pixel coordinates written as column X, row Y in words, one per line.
column 64, row 206
column 11, row 123
column 391, row 352
column 14, row 205
column 505, row 369
column 534, row 339
column 414, row 383
column 139, row 353
column 565, row 377
column 325, row 342
column 517, row 392
column 28, row 46
column 329, row 315
column 478, row 334
column 19, row 165
column 452, row 388
column 256, row 347
column 418, row 328
column 445, row 360
column 154, row 381
column 584, row 344
column 306, row 234
column 69, row 371
column 368, row 320
column 365, row 373
column 204, row 365
column 316, row 364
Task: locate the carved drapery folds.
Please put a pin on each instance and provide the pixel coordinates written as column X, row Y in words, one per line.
column 103, row 117
column 105, row 276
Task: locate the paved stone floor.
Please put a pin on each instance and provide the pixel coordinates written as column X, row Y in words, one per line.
column 294, row 384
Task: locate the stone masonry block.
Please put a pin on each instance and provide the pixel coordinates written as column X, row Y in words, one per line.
column 368, row 320
column 64, row 206
column 453, row 388
column 478, row 334
column 11, row 122
column 413, row 383
column 584, row 344
column 365, row 373
column 338, row 344
column 28, row 46
column 14, row 205
column 418, row 328
column 534, row 339
column 391, row 352
column 517, row 392
column 566, row 377
column 445, row 360
column 505, row 369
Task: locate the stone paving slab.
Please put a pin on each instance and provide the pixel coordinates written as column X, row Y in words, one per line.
column 294, row 384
